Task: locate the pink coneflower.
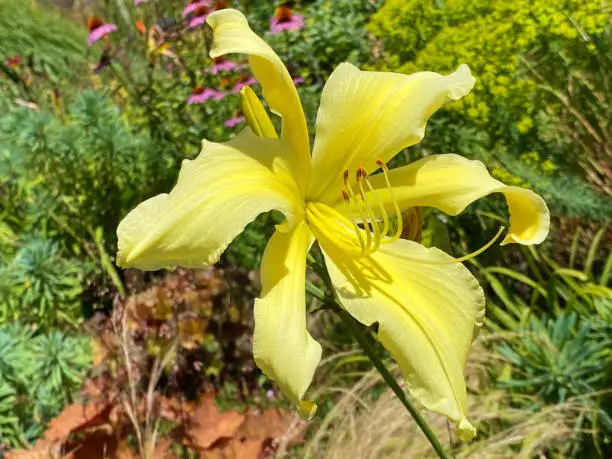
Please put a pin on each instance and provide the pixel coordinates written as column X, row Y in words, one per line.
column 194, row 5
column 98, row 29
column 236, row 119
column 201, row 95
column 285, row 19
column 222, row 65
column 199, row 16
column 242, row 82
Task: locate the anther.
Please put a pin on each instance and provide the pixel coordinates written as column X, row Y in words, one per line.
column 345, row 195
column 346, row 176
column 382, row 165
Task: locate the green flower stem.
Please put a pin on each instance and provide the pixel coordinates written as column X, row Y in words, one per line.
column 367, row 344
column 365, row 341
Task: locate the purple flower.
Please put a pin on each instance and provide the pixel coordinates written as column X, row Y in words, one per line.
column 222, row 65
column 198, row 20
column 285, row 19
column 242, row 82
column 138, row 2
column 98, row 29
column 234, row 121
column 200, row 95
column 194, row 5
column 298, row 80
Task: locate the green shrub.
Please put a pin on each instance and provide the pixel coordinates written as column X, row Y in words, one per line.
column 51, row 49
column 564, row 360
column 40, row 286
column 39, row 375
column 490, row 37
column 74, row 174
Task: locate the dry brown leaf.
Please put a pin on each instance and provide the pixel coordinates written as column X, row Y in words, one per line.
column 208, row 425
column 175, row 410
column 236, row 449
column 43, row 449
column 258, row 436
column 272, row 423
column 78, row 417
column 98, row 444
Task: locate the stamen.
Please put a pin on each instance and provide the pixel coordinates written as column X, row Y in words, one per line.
column 358, row 211
column 361, row 177
column 355, row 227
column 398, row 214
column 381, row 207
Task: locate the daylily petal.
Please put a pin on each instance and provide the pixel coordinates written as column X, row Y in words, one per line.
column 255, row 114
column 450, row 183
column 283, row 348
column 232, row 34
column 370, row 116
column 216, row 195
column 428, row 308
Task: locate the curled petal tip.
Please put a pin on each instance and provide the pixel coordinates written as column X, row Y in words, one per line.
column 307, row 409
column 465, row 430
column 463, row 82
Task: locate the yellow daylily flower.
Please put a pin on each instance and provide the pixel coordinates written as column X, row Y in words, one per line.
column 427, row 304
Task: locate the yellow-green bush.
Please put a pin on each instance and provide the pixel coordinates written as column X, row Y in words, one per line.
column 490, row 36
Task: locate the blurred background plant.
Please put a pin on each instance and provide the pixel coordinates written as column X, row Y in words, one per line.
column 89, row 131
column 40, row 373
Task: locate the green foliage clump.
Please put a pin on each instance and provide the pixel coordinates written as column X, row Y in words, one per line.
column 57, row 45
column 51, row 52
column 489, row 37
column 40, row 286
column 76, row 173
column 564, row 360
column 39, row 375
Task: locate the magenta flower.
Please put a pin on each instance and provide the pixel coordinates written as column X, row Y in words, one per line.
column 201, row 94
column 298, row 80
column 199, row 17
column 98, row 29
column 138, row 2
column 237, row 119
column 194, row 5
column 285, row 19
column 222, row 65
column 242, row 82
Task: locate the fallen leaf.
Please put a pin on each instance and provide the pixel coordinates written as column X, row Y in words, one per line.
column 43, row 449
column 78, row 417
column 209, row 425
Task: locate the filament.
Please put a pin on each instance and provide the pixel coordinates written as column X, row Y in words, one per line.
column 359, row 212
column 347, row 201
column 398, row 214
column 362, row 177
